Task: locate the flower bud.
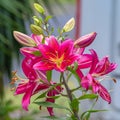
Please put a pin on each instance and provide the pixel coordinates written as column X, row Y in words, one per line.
column 39, row 8
column 86, row 40
column 36, row 29
column 69, row 25
column 24, row 39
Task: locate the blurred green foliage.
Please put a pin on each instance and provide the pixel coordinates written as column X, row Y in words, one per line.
column 13, row 15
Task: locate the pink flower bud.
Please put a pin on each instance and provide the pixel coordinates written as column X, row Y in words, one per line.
column 86, row 40
column 24, row 39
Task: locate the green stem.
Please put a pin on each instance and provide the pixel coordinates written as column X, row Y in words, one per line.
column 69, row 96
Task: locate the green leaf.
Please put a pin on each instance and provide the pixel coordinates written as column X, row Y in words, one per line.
column 48, row 18
column 74, row 73
column 88, row 96
column 49, row 75
column 41, row 96
column 74, row 105
column 86, row 114
column 54, row 118
column 49, row 104
column 36, row 53
column 39, row 8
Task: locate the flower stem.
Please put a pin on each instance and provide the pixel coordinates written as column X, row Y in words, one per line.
column 69, row 96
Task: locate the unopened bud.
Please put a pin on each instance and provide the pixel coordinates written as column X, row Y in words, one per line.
column 36, row 29
column 86, row 40
column 69, row 25
column 39, row 8
column 24, row 39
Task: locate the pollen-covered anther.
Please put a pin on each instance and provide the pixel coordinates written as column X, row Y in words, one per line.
column 114, row 80
column 14, row 79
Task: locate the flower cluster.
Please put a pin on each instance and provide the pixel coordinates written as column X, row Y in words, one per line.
column 45, row 53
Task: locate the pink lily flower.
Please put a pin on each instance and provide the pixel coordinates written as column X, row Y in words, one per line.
column 101, row 67
column 98, row 68
column 56, row 55
column 36, row 81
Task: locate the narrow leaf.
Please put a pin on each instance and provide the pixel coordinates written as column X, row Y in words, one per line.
column 41, row 96
column 48, row 18
column 88, row 96
column 49, row 104
column 74, row 104
column 74, row 73
column 90, row 111
column 54, row 118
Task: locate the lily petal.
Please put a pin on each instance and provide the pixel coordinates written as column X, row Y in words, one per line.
column 43, row 66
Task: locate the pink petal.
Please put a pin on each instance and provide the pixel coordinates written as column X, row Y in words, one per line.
column 43, row 65
column 29, row 51
column 104, row 94
column 68, row 61
column 95, row 86
column 84, row 61
column 104, row 66
column 40, row 87
column 21, row 88
column 86, row 81
column 50, row 109
column 27, row 96
column 28, row 70
column 52, row 93
column 79, row 73
column 47, row 51
column 66, row 48
column 53, row 43
column 37, row 38
column 94, row 62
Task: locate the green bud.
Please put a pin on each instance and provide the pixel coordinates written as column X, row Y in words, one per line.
column 39, row 8
column 36, row 20
column 36, row 29
column 69, row 25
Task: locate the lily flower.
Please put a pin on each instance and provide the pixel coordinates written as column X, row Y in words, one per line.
column 56, row 55
column 98, row 69
column 36, row 81
column 101, row 67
